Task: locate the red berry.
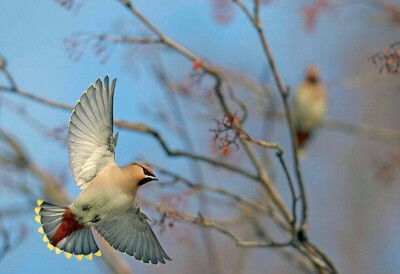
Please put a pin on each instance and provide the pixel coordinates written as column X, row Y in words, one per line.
column 225, row 150
column 197, row 64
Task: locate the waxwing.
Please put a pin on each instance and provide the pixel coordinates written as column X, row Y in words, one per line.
column 106, row 204
column 310, row 104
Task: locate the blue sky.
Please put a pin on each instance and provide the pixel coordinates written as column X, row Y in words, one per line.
column 31, row 40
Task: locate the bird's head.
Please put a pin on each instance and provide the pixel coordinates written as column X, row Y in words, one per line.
column 312, row 74
column 143, row 174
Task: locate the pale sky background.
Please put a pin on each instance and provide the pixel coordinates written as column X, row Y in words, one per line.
column 31, row 34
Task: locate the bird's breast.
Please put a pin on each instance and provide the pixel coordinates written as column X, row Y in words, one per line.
column 101, row 202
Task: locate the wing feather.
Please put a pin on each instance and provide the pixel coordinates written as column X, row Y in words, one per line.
column 132, row 234
column 91, row 143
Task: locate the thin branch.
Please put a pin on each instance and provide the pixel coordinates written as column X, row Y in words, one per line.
column 322, row 255
column 126, row 39
column 139, row 127
column 284, row 92
column 256, row 11
column 164, row 39
column 254, row 205
column 383, row 135
column 246, row 136
column 130, row 126
column 239, row 101
column 363, row 131
column 245, row 9
column 146, row 129
column 270, row 188
column 279, row 154
column 318, row 263
column 36, row 98
column 239, row 242
column 161, row 73
column 263, row 177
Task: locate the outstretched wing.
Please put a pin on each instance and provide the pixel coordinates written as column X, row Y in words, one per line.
column 91, row 143
column 130, row 233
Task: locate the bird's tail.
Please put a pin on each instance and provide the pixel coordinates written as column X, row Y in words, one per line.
column 63, row 233
column 302, row 139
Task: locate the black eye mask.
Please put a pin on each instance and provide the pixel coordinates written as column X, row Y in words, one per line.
column 146, row 172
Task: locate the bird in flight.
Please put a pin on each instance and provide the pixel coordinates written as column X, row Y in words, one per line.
column 106, row 203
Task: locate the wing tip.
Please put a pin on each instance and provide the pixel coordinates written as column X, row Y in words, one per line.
column 113, row 83
column 167, row 257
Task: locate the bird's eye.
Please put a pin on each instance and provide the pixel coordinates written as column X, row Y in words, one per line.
column 146, row 172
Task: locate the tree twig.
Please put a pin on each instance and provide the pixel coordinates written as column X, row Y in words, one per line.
column 139, row 127
column 284, row 92
column 240, row 199
column 239, row 242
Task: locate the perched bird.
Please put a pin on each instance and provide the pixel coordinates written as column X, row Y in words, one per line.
column 310, row 104
column 107, row 201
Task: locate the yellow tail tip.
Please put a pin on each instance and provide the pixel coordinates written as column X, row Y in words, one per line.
column 89, row 257
column 67, row 255
column 50, row 246
column 37, row 209
column 45, row 239
column 38, row 218
column 98, row 253
column 57, row 250
column 40, row 230
column 40, row 202
column 79, row 257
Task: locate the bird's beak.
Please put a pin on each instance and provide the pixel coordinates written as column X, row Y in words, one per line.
column 154, row 178
column 147, row 179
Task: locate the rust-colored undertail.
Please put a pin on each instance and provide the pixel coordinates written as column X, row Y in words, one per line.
column 302, row 138
column 68, row 225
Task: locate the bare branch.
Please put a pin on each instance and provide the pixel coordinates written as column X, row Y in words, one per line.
column 36, row 98
column 284, row 94
column 263, row 177
column 239, row 242
column 140, row 128
column 245, row 9
column 363, row 131
column 126, row 39
column 383, row 135
column 237, row 198
column 282, row 161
